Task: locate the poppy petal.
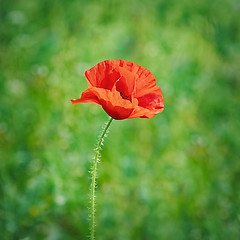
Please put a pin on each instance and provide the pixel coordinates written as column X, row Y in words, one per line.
column 102, row 75
column 111, row 101
column 117, row 112
column 148, row 106
column 145, row 80
column 145, row 83
column 88, row 96
column 126, row 83
column 151, row 101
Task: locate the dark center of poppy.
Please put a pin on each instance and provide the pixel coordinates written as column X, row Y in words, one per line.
column 125, row 97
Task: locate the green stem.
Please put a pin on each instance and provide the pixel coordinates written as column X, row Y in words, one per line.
column 94, row 173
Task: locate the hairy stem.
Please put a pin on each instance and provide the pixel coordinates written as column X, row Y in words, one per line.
column 94, row 173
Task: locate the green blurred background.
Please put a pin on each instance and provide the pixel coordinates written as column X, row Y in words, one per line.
column 176, row 176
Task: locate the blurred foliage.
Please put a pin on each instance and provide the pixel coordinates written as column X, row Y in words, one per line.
column 175, row 176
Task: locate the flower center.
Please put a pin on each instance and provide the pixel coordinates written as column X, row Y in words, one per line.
column 125, row 97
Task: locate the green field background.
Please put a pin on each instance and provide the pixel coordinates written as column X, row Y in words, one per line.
column 173, row 177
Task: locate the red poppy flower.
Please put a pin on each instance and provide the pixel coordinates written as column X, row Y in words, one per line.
column 123, row 89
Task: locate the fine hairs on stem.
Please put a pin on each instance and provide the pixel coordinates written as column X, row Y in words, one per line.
column 94, row 173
